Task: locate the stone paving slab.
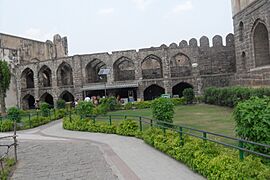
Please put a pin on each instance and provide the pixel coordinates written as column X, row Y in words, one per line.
column 61, row 160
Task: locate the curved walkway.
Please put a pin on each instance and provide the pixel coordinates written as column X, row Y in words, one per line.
column 100, row 156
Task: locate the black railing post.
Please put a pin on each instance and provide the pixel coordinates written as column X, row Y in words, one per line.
column 54, row 113
column 70, row 115
column 94, row 119
column 241, row 152
column 37, row 116
column 140, row 123
column 181, row 135
column 110, row 120
column 30, row 123
column 125, row 116
column 204, row 136
column 151, row 123
column 50, row 115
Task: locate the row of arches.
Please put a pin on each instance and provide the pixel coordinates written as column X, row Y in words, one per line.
column 155, row 91
column 28, row 101
column 260, row 39
column 124, row 69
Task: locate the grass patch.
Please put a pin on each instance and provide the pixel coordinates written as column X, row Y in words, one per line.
column 201, row 116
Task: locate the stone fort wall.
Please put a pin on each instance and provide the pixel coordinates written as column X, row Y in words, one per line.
column 165, row 67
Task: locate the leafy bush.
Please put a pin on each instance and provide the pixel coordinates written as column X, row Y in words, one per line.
column 61, row 104
column 230, row 96
column 110, row 103
column 14, row 114
column 253, row 120
column 143, row 104
column 59, row 113
column 6, row 125
column 129, row 106
column 163, row 110
column 178, row 101
column 189, row 95
column 127, row 128
column 35, row 122
column 45, row 109
column 85, row 108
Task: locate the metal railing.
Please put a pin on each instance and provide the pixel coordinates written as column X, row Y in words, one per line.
column 240, row 144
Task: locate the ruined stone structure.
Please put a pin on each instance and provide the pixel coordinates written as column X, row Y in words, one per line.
column 45, row 72
column 252, row 38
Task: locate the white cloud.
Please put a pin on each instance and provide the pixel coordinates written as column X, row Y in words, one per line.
column 186, row 6
column 141, row 4
column 106, row 11
column 38, row 34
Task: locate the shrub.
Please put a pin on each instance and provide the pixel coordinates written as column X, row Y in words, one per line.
column 45, row 109
column 189, row 95
column 179, row 101
column 59, row 113
column 253, row 120
column 129, row 106
column 110, row 103
column 163, row 110
column 127, row 128
column 230, row 96
column 61, row 104
column 6, row 125
column 85, row 108
column 14, row 114
column 143, row 104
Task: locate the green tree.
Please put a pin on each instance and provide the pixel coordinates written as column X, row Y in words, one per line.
column 5, row 76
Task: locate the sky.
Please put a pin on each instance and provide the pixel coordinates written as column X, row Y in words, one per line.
column 93, row 26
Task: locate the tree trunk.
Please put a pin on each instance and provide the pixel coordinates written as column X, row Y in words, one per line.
column 2, row 102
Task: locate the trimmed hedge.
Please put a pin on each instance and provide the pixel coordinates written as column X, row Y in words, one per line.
column 230, row 96
column 210, row 160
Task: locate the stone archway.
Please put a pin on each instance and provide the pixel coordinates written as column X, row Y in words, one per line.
column 178, row 89
column 28, row 102
column 180, row 66
column 45, row 76
column 261, row 45
column 64, row 75
column 152, row 92
column 152, row 67
column 92, row 70
column 124, row 69
column 46, row 97
column 67, row 96
column 27, row 79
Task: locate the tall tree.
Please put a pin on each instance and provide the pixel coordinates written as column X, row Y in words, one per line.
column 5, row 76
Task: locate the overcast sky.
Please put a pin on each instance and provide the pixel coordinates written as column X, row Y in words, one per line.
column 110, row 25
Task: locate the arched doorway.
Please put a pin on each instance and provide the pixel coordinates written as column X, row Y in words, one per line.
column 67, row 96
column 45, row 76
column 152, row 67
column 28, row 102
column 261, row 45
column 178, row 89
column 64, row 75
column 124, row 69
column 46, row 97
column 92, row 70
column 180, row 66
column 152, row 92
column 27, row 79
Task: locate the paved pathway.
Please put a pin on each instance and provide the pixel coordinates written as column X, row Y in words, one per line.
column 116, row 157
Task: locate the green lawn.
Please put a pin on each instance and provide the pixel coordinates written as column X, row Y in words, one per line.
column 205, row 117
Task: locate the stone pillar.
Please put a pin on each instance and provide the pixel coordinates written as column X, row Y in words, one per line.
column 36, row 84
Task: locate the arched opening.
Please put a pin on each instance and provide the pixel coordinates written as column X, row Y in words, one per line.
column 124, row 69
column 27, row 79
column 67, row 96
column 28, row 102
column 64, row 75
column 241, row 29
column 45, row 76
column 46, row 97
column 243, row 58
column 261, row 45
column 92, row 70
column 178, row 89
column 180, row 66
column 152, row 92
column 152, row 67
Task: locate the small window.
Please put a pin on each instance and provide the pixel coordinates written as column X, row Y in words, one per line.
column 241, row 29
